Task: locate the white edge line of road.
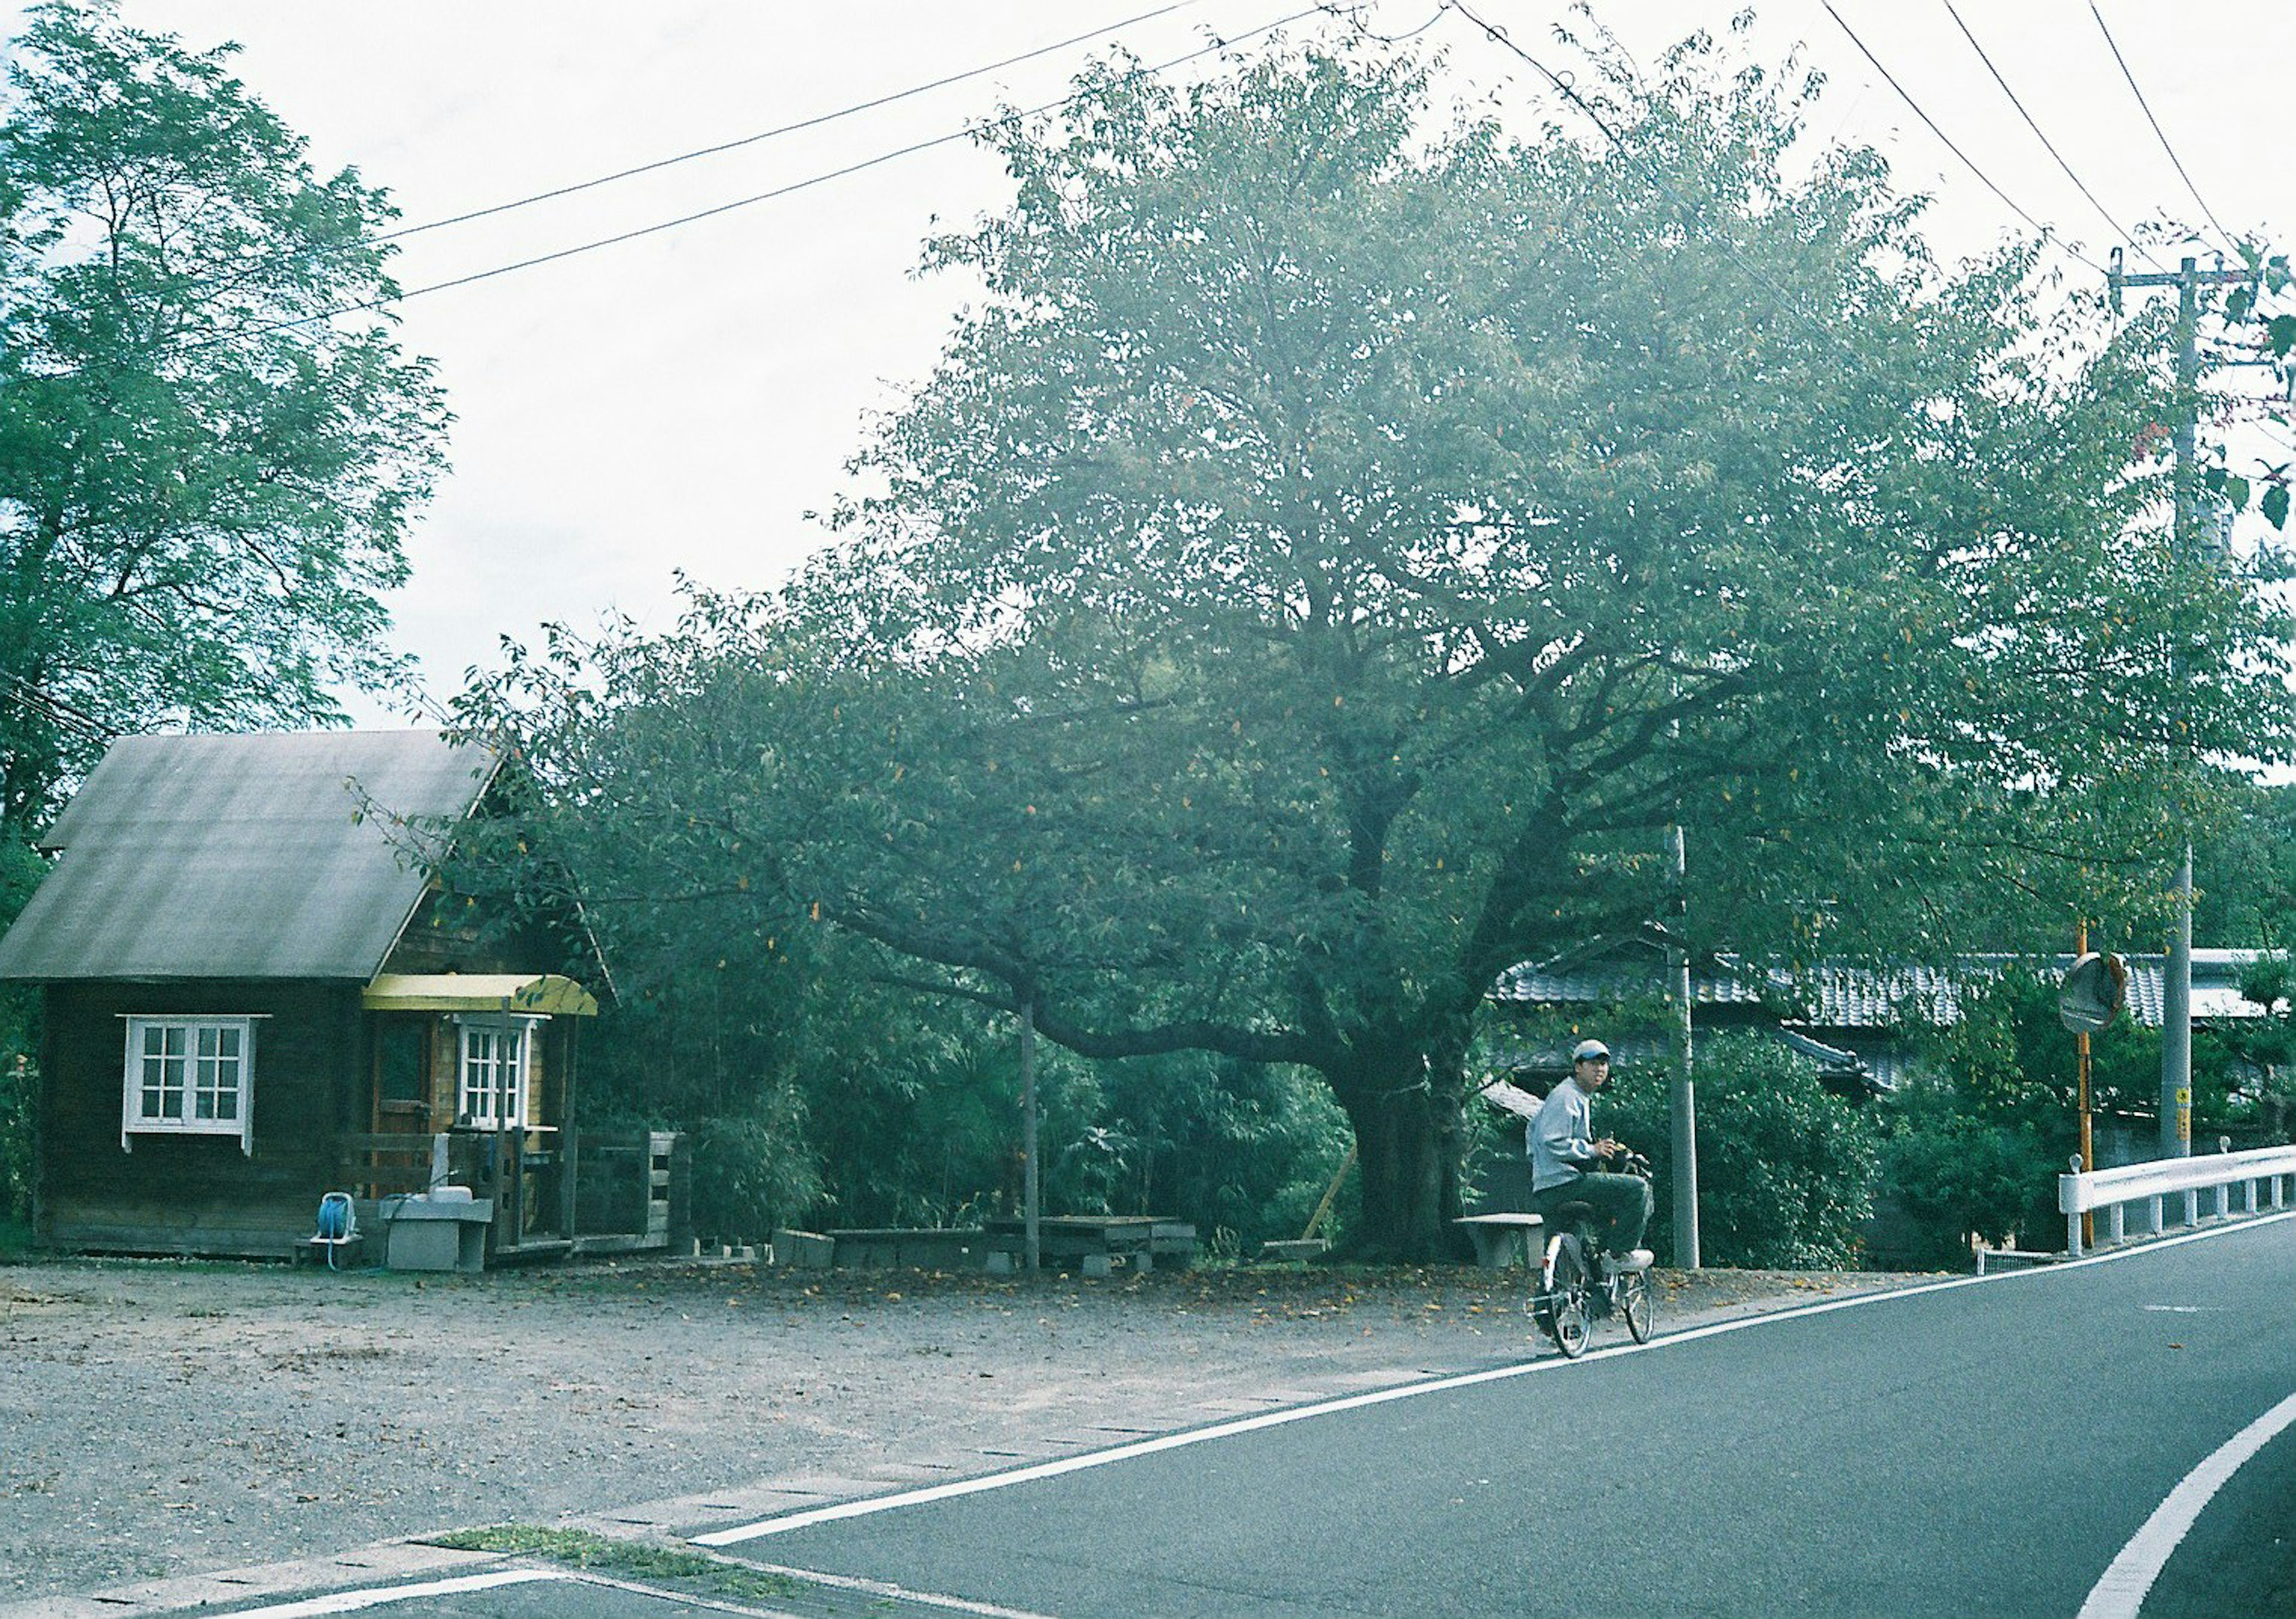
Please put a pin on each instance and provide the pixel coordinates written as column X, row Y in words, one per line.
column 870, row 1505
column 880, row 1588
column 351, row 1601
column 2123, row 1589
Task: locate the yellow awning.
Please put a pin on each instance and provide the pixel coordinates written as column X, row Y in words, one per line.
column 548, row 995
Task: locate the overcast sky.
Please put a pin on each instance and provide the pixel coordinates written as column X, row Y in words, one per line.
column 681, row 401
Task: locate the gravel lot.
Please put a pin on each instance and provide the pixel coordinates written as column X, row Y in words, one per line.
column 163, row 1417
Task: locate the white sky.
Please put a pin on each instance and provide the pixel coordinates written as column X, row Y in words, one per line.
column 681, row 402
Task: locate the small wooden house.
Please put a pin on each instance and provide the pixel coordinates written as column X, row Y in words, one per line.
column 253, row 996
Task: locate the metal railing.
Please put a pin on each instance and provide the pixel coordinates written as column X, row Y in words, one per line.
column 2261, row 1178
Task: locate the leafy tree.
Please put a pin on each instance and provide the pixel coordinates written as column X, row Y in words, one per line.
column 206, row 472
column 1786, row 1167
column 1332, row 550
column 2245, row 877
column 1975, row 1144
column 1958, row 1177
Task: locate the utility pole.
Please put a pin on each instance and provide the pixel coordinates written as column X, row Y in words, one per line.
column 1685, row 1099
column 2176, row 992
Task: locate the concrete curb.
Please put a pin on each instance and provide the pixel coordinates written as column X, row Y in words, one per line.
column 385, row 1563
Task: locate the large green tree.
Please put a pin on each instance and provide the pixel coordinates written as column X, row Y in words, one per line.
column 205, row 472
column 1334, row 546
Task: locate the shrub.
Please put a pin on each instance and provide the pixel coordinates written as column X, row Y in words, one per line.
column 753, row 1171
column 1958, row 1177
column 1785, row 1168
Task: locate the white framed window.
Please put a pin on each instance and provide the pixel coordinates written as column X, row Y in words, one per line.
column 189, row 1075
column 491, row 1092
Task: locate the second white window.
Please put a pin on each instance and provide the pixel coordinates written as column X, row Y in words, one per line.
column 492, row 1094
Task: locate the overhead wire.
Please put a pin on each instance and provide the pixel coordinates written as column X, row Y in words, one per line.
column 2047, row 144
column 970, row 132
column 2048, row 233
column 762, row 136
column 53, row 708
column 1785, row 302
column 2225, row 235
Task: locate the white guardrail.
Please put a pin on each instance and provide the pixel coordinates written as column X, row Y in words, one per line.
column 2262, row 1177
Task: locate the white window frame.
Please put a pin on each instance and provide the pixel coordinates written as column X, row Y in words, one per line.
column 210, row 1047
column 506, row 1101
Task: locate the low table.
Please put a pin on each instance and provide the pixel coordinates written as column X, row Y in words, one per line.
column 1099, row 1245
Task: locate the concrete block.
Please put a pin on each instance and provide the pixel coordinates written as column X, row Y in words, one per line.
column 1099, row 1264
column 807, row 1250
column 1283, row 1253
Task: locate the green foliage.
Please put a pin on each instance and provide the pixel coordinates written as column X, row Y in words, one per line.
column 1243, row 1150
column 630, row 1559
column 206, row 473
column 22, row 867
column 2245, row 874
column 19, row 1079
column 1340, row 537
column 753, row 1171
column 1785, row 1168
column 1958, row 1176
column 1975, row 1145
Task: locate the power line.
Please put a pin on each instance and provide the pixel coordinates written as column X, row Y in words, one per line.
column 54, row 710
column 1783, row 302
column 2048, row 233
column 2162, row 135
column 767, row 135
column 969, row 132
column 2047, row 144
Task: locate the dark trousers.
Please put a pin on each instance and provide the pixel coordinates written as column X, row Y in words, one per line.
column 1622, row 1206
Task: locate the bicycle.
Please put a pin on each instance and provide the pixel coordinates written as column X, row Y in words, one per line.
column 1576, row 1289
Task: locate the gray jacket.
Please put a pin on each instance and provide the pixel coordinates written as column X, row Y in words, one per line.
column 1562, row 1138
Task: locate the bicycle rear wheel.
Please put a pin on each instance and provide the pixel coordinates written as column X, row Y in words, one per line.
column 1570, row 1312
column 1635, row 1303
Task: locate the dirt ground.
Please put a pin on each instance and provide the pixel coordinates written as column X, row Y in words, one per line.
column 162, row 1417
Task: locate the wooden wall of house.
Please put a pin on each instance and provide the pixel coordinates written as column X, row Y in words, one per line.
column 197, row 1194
column 442, row 936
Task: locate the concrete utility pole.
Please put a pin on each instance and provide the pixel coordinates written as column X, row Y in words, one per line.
column 1686, row 1102
column 2177, row 992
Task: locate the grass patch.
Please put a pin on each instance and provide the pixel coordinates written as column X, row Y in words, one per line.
column 626, row 1559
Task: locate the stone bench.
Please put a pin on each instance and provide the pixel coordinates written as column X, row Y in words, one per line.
column 1502, row 1239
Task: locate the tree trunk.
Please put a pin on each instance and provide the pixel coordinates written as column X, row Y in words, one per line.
column 1407, row 1128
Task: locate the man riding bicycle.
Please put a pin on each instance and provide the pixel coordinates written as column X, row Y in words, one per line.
column 1566, row 1156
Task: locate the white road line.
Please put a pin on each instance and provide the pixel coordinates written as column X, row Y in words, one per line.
column 351, row 1601
column 2122, row 1590
column 869, row 1506
column 880, row 1588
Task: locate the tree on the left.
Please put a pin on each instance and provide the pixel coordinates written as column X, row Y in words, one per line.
column 211, row 443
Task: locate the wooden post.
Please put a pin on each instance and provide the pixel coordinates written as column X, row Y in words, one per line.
column 1030, row 1208
column 569, row 1138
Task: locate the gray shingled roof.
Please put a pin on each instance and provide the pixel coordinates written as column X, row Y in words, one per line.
column 189, row 857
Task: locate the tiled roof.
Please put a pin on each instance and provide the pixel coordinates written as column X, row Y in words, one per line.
column 1846, row 995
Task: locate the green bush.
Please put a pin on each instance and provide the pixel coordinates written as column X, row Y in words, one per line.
column 1785, row 1168
column 19, row 1089
column 753, row 1171
column 1957, row 1177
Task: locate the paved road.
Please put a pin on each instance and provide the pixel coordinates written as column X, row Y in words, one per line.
column 1973, row 1449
